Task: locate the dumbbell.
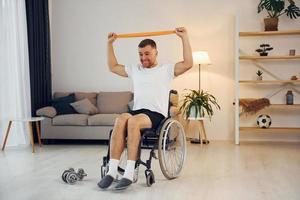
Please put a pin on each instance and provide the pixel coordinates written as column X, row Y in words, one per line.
column 71, row 177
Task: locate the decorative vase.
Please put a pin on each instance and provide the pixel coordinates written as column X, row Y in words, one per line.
column 259, row 78
column 271, row 24
column 289, row 97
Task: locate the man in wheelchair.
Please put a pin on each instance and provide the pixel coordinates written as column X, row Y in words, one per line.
column 151, row 85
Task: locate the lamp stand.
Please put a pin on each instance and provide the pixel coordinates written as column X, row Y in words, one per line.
column 196, row 140
column 199, row 77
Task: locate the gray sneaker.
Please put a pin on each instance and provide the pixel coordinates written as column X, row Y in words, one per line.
column 106, row 181
column 123, row 184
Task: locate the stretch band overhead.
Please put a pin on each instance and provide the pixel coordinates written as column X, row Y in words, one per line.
column 144, row 34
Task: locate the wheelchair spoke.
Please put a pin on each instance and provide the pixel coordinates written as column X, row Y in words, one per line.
column 169, row 164
column 179, row 161
column 177, row 157
column 172, row 162
column 175, row 165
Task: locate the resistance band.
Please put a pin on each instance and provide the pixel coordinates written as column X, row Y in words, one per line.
column 144, row 34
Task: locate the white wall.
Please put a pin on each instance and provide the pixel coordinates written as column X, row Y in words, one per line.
column 79, row 34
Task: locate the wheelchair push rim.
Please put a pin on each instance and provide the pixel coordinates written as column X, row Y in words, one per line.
column 171, row 148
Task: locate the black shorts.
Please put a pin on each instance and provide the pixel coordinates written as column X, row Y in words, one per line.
column 155, row 117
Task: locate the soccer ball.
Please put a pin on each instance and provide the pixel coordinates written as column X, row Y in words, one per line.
column 264, row 121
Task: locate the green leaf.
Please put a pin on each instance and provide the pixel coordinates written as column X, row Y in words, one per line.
column 292, row 11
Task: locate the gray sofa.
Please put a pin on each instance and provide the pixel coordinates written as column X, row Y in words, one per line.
column 94, row 126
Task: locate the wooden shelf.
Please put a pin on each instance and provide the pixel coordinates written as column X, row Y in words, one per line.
column 284, row 106
column 270, row 33
column 269, row 81
column 269, row 130
column 296, row 57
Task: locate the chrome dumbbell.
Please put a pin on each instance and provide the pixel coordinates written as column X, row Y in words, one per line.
column 71, row 177
column 81, row 174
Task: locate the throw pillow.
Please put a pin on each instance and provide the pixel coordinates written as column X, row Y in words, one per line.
column 48, row 111
column 62, row 104
column 84, row 106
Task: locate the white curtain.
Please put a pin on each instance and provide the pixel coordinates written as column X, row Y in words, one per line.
column 14, row 71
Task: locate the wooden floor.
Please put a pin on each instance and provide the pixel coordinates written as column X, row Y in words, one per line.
column 220, row 170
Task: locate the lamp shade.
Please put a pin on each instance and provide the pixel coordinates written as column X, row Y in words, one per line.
column 201, row 57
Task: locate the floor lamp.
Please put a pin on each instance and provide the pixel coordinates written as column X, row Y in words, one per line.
column 200, row 58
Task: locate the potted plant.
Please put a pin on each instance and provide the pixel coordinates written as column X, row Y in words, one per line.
column 263, row 51
column 197, row 104
column 276, row 8
column 259, row 75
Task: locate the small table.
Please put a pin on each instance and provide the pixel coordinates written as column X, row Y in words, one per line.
column 201, row 129
column 29, row 121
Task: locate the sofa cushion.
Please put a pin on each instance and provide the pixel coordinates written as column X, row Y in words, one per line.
column 62, row 104
column 84, row 106
column 102, row 120
column 48, row 111
column 92, row 96
column 113, row 102
column 72, row 119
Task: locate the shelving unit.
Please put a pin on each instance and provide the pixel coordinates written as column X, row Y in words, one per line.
column 277, row 81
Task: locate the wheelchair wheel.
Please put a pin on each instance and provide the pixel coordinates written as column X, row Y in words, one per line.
column 150, row 179
column 171, row 148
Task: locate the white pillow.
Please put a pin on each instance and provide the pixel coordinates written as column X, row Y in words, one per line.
column 84, row 106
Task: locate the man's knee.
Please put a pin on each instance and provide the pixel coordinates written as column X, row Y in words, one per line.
column 121, row 120
column 120, row 125
column 133, row 124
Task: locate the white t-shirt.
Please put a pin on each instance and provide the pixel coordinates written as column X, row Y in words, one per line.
column 151, row 86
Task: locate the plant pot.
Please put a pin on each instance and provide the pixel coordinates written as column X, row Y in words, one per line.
column 259, row 78
column 193, row 113
column 263, row 54
column 271, row 24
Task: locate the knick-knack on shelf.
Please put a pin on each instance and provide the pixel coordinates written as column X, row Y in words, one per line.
column 259, row 75
column 289, row 98
column 263, row 51
column 294, row 78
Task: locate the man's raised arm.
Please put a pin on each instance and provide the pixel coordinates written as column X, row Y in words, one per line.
column 187, row 62
column 111, row 58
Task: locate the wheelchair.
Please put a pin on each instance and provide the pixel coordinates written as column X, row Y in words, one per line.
column 170, row 143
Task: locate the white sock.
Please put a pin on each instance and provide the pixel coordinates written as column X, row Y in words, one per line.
column 129, row 170
column 113, row 167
